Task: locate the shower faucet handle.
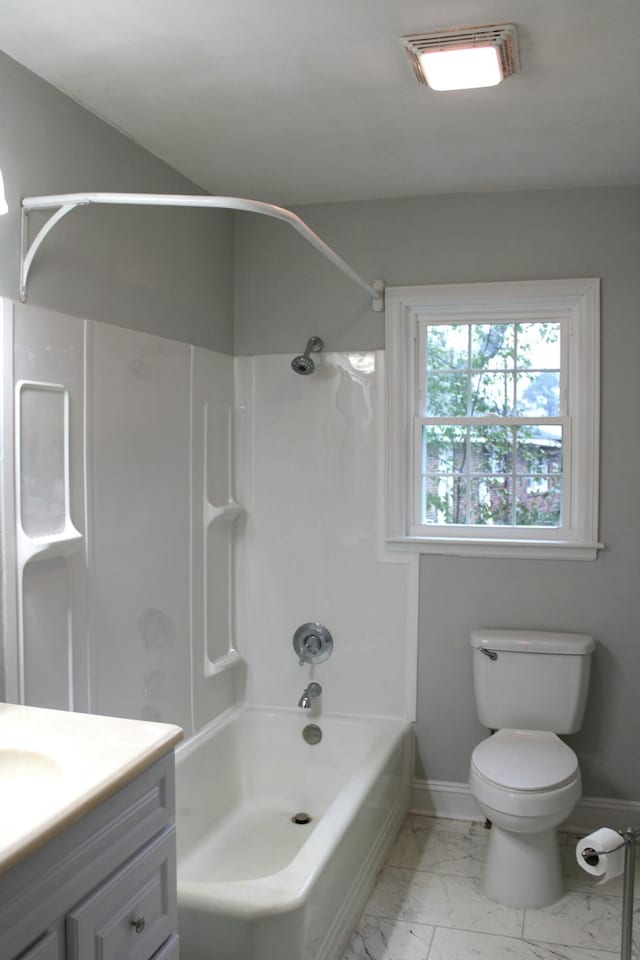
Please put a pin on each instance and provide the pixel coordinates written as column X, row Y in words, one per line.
column 312, row 643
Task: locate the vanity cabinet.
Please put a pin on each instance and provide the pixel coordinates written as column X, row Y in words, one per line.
column 105, row 887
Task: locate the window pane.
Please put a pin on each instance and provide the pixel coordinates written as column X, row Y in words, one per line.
column 447, row 394
column 538, row 394
column 492, row 346
column 539, row 449
column 492, row 393
column 539, row 501
column 539, row 346
column 492, row 475
column 445, row 449
column 490, row 501
column 491, row 449
column 445, row 500
column 448, row 346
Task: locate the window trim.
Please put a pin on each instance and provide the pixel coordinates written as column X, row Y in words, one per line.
column 578, row 302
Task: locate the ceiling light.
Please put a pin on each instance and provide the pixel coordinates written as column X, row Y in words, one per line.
column 461, row 58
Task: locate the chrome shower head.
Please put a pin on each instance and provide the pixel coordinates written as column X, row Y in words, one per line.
column 304, row 364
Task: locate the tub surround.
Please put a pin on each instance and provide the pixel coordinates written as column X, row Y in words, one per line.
column 125, row 618
column 56, row 767
column 308, row 472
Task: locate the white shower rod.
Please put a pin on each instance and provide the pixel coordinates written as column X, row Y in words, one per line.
column 65, row 203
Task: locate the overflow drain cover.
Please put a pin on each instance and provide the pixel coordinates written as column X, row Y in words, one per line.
column 312, row 734
column 301, row 818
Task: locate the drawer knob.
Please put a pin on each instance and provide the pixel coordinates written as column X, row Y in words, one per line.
column 138, row 924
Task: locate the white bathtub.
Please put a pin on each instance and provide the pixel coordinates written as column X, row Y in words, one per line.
column 251, row 884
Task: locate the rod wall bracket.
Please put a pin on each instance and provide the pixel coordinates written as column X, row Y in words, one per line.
column 27, row 250
column 377, row 303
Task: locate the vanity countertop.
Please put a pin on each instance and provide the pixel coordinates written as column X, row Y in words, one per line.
column 56, row 766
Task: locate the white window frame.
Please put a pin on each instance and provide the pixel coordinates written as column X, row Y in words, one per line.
column 576, row 304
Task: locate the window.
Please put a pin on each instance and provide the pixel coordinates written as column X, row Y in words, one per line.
column 492, row 418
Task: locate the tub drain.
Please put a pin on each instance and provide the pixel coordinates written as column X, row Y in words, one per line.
column 301, row 818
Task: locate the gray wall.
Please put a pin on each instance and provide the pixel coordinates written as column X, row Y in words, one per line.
column 167, row 272
column 285, row 292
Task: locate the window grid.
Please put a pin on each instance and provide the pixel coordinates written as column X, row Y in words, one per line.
column 550, row 478
column 503, row 489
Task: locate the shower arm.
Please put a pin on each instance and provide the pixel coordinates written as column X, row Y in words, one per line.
column 65, row 203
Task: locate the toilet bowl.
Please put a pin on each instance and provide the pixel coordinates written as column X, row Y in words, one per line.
column 526, row 782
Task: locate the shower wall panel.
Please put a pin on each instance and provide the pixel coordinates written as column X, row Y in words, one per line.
column 50, row 575
column 309, row 447
column 218, row 670
column 139, row 525
column 112, row 601
column 8, row 626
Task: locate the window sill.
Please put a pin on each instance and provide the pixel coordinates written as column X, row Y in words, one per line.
column 524, row 549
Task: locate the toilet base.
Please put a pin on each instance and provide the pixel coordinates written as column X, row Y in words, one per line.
column 523, row 869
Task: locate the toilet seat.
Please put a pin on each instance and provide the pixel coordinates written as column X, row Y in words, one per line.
column 525, row 760
column 525, row 773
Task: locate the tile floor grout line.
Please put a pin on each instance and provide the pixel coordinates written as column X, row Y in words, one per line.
column 415, row 923
column 433, row 936
column 443, row 926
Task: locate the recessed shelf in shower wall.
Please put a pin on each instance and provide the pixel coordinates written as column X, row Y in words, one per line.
column 44, row 528
column 219, row 513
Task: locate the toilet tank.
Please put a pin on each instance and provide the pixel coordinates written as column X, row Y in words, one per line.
column 531, row 680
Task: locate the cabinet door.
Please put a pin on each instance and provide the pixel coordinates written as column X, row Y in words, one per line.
column 45, row 949
column 132, row 914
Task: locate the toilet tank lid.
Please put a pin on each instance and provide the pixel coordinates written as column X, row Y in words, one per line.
column 533, row 641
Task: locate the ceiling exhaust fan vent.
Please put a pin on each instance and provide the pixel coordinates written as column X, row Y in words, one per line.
column 499, row 36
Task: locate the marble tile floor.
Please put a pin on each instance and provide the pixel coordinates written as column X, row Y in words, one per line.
column 428, row 905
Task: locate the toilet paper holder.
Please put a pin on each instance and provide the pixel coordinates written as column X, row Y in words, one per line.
column 628, row 839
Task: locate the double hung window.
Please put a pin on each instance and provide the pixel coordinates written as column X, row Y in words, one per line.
column 492, row 418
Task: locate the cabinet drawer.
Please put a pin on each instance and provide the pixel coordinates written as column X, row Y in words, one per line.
column 45, row 949
column 169, row 950
column 132, row 914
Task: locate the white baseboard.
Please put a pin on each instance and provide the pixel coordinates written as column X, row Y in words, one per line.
column 438, row 798
column 593, row 812
column 454, row 801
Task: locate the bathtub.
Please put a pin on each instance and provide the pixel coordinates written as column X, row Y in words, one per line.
column 253, row 885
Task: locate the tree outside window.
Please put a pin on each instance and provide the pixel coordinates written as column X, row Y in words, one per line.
column 507, row 469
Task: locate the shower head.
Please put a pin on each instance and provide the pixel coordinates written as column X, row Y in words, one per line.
column 304, row 364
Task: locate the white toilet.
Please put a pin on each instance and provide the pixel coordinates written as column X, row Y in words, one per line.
column 529, row 686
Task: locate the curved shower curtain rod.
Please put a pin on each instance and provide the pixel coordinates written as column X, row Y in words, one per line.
column 65, row 203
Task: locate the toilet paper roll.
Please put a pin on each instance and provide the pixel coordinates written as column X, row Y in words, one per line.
column 608, row 847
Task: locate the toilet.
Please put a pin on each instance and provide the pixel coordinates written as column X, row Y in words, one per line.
column 529, row 686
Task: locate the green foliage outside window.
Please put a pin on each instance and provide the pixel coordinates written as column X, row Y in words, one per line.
column 493, row 474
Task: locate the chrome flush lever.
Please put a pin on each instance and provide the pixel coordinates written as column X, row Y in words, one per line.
column 489, row 653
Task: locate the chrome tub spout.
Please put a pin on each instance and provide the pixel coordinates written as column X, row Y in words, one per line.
column 309, row 694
